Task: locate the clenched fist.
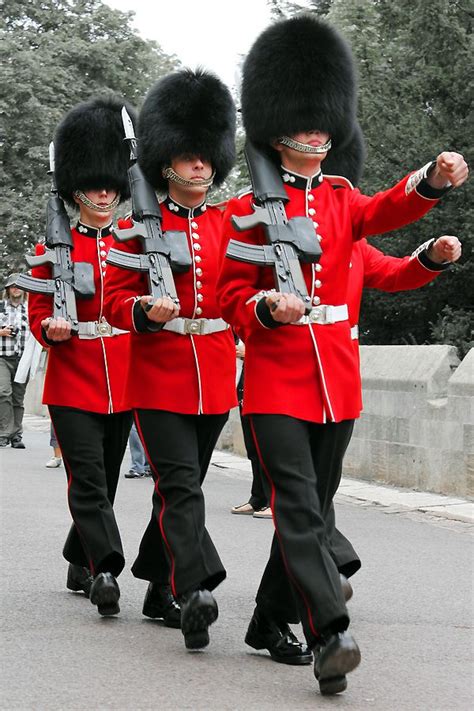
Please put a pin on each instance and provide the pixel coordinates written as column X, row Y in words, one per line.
column 162, row 311
column 445, row 249
column 57, row 329
column 285, row 308
column 450, row 168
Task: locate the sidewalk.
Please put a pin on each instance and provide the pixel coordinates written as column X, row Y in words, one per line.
column 399, row 500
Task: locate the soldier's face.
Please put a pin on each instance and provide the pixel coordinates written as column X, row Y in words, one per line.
column 192, row 167
column 299, row 161
column 311, row 138
column 101, row 197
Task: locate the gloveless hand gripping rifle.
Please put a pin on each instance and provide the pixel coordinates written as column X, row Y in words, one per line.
column 163, row 252
column 290, row 241
column 68, row 278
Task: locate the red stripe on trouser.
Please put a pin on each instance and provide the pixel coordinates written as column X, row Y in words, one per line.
column 272, row 504
column 163, row 503
column 69, row 482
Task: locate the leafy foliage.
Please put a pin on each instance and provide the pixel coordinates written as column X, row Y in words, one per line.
column 54, row 54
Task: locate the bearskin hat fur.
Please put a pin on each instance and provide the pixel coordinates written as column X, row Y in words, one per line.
column 347, row 159
column 186, row 112
column 298, row 75
column 90, row 151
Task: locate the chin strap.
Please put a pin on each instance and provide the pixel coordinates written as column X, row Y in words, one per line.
column 170, row 174
column 93, row 206
column 303, row 147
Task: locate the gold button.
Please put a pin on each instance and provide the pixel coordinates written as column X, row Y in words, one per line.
column 199, row 284
column 200, row 297
column 195, row 235
column 310, row 197
column 311, row 211
column 318, row 268
column 317, row 284
column 198, row 271
column 197, row 258
column 196, row 246
column 319, row 238
column 194, row 225
column 199, row 311
column 316, row 300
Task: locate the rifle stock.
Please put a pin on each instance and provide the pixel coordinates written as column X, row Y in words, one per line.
column 163, row 252
column 289, row 242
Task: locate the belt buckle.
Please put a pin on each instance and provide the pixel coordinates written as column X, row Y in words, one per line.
column 193, row 326
column 104, row 329
column 317, row 315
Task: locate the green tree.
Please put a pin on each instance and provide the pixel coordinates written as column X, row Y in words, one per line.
column 54, row 54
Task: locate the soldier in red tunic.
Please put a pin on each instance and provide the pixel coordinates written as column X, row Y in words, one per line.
column 302, row 384
column 181, row 381
column 84, row 386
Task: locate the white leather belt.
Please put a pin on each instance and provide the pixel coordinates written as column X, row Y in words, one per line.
column 97, row 329
column 355, row 333
column 324, row 314
column 196, row 326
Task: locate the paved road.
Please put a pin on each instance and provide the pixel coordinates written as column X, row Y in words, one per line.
column 411, row 612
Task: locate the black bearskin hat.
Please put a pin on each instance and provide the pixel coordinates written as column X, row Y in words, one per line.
column 298, row 76
column 348, row 158
column 186, row 113
column 90, row 151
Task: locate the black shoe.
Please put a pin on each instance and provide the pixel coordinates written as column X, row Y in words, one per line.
column 132, row 474
column 333, row 660
column 280, row 641
column 105, row 593
column 4, row 441
column 159, row 602
column 198, row 611
column 347, row 590
column 79, row 578
column 17, row 442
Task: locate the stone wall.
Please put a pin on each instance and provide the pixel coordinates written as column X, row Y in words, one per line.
column 417, row 428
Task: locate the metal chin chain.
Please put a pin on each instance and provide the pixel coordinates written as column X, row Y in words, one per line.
column 303, row 147
column 99, row 208
column 170, row 174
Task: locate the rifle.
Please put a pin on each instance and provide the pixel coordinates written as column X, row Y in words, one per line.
column 163, row 252
column 68, row 277
column 290, row 242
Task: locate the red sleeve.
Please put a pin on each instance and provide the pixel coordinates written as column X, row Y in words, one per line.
column 387, row 273
column 123, row 286
column 40, row 306
column 239, row 286
column 388, row 210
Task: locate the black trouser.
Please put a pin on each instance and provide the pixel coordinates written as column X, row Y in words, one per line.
column 258, row 494
column 92, row 447
column 302, row 462
column 176, row 546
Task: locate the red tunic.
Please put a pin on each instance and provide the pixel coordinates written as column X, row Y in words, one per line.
column 187, row 374
column 310, row 372
column 85, row 374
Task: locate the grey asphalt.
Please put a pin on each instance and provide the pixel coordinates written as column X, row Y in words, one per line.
column 411, row 612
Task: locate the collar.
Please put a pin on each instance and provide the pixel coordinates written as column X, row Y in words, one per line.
column 302, row 182
column 95, row 232
column 177, row 209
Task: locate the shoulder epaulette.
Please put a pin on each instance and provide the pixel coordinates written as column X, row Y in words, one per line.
column 220, row 205
column 339, row 181
column 245, row 191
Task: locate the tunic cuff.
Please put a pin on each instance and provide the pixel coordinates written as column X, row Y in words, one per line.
column 141, row 322
column 264, row 315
